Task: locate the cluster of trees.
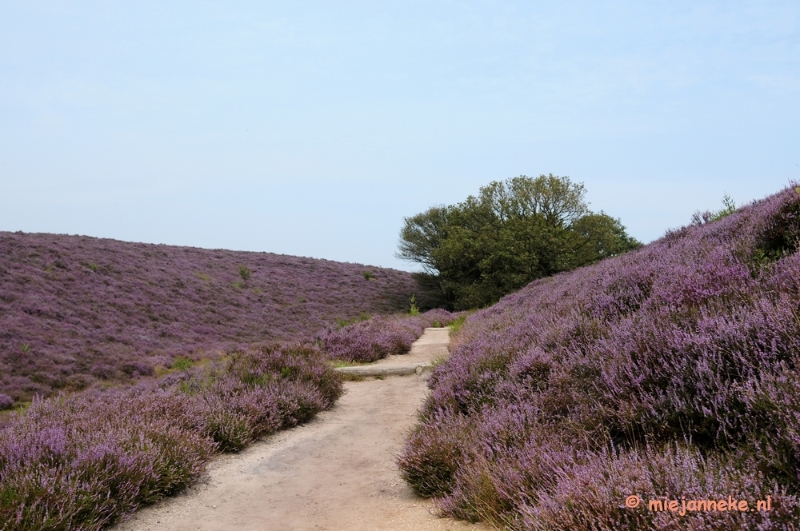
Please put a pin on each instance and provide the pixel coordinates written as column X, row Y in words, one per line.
column 513, row 232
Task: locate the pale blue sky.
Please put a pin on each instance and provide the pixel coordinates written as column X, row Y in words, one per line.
column 313, row 128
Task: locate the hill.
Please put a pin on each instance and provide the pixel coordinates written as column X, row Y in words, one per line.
column 76, row 309
column 668, row 374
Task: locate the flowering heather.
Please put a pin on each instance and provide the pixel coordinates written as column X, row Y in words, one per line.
column 75, row 310
column 376, row 338
column 88, row 460
column 671, row 371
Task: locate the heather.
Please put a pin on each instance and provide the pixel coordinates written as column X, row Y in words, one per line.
column 78, row 311
column 667, row 372
column 380, row 336
column 88, row 460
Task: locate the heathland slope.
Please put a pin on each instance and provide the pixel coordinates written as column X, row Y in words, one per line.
column 589, row 399
column 75, row 309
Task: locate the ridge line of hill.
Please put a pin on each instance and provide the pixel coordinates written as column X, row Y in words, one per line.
column 79, row 311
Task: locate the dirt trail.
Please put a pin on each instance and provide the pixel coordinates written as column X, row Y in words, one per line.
column 337, row 472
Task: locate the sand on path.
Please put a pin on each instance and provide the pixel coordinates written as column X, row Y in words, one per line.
column 336, row 472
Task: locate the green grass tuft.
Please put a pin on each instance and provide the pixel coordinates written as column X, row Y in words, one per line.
column 181, row 364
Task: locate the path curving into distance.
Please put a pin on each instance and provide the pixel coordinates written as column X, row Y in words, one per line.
column 335, row 473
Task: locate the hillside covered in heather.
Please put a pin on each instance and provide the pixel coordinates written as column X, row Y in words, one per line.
column 75, row 310
column 669, row 373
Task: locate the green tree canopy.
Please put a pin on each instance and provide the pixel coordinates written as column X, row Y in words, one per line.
column 513, row 232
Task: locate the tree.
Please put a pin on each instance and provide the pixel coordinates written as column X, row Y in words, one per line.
column 513, row 232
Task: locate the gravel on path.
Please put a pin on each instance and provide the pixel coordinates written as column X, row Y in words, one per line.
column 337, row 472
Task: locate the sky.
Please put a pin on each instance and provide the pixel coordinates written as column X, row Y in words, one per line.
column 313, row 128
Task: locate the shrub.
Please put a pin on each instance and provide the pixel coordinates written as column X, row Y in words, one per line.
column 378, row 337
column 102, row 370
column 728, row 208
column 140, row 368
column 341, row 323
column 512, row 232
column 181, row 363
column 245, row 273
column 58, row 317
column 83, row 463
column 431, row 457
column 668, row 371
column 89, row 460
column 413, row 310
column 457, row 323
column 6, row 402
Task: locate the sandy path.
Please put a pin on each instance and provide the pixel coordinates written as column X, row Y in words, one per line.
column 335, row 473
